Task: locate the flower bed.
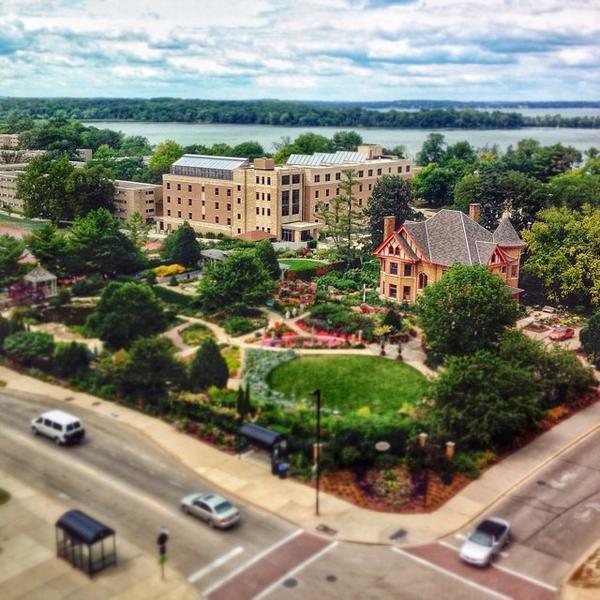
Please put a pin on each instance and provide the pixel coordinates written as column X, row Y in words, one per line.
column 295, row 293
column 258, row 365
column 195, row 334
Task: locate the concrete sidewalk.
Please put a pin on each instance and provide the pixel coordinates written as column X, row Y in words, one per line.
column 294, row 501
column 29, row 567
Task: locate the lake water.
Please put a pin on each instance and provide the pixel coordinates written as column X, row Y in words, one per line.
column 209, row 133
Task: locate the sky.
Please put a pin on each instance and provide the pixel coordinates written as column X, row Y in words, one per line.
column 302, row 49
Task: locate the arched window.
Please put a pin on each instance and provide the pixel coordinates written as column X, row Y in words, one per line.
column 423, row 280
column 391, row 249
column 397, row 252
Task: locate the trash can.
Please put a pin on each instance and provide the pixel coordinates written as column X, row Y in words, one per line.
column 283, row 470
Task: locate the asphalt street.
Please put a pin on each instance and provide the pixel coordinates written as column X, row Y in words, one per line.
column 119, row 476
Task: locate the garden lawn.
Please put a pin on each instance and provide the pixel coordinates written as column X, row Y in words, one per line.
column 195, row 334
column 302, row 264
column 349, row 382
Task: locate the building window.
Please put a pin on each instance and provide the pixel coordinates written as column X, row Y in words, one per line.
column 268, row 197
column 287, row 235
column 228, row 221
column 407, row 168
column 179, row 214
column 202, row 189
column 514, row 270
column 407, row 270
column 239, row 200
column 503, row 268
column 203, row 202
column 257, row 179
column 229, row 192
column 361, row 173
column 189, row 188
column 406, row 292
column 204, row 217
column 285, row 180
column 262, row 196
column 423, row 280
column 216, row 191
column 178, row 200
column 338, row 176
column 190, row 216
column 189, row 201
column 317, row 178
column 399, row 169
column 393, row 290
column 285, row 203
column 168, row 213
column 257, row 196
column 327, row 176
column 370, row 186
column 360, row 188
column 296, row 178
column 168, row 198
column 268, row 181
column 257, row 210
column 216, row 219
column 168, row 185
column 262, row 212
column 216, row 206
column 268, row 212
column 239, row 188
column 327, row 193
column 262, row 180
column 238, row 216
column 178, row 187
column 370, row 172
column 316, row 194
column 393, row 268
column 337, row 191
column 295, row 202
column 378, row 171
column 239, row 230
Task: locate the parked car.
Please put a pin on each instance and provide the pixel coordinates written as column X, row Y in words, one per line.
column 212, row 508
column 60, row 426
column 560, row 333
column 485, row 542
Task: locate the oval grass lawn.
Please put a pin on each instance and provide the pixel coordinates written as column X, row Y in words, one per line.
column 349, row 382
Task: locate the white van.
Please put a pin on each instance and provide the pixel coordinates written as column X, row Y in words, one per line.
column 62, row 427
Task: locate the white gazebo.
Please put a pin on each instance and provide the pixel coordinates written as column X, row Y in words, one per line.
column 42, row 280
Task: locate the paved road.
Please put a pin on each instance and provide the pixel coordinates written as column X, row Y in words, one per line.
column 121, row 477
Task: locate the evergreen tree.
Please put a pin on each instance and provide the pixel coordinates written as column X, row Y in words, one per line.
column 208, row 367
column 182, row 247
column 266, row 253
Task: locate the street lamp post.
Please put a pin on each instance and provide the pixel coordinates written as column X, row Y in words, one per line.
column 317, row 394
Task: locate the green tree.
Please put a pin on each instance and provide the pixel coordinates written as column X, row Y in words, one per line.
column 50, row 247
column 125, row 312
column 11, row 250
column 483, row 402
column 435, row 183
column 465, row 311
column 266, row 254
column 26, row 346
column 590, row 336
column 164, row 156
column 432, row 150
column 564, row 253
column 42, row 187
column 71, row 358
column 88, row 189
column 573, row 190
column 249, row 150
column 97, row 245
column 391, row 197
column 208, row 367
column 182, row 247
column 243, row 405
column 151, row 369
column 342, row 218
column 306, row 143
column 346, row 140
column 497, row 191
column 137, row 230
column 461, row 151
column 236, row 283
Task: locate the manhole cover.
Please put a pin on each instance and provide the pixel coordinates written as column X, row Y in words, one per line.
column 290, row 582
column 325, row 529
column 331, row 578
column 540, row 482
column 398, row 535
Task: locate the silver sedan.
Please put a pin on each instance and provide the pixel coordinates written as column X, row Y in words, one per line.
column 212, row 508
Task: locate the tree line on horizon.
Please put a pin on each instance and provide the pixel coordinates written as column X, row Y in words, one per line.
column 277, row 112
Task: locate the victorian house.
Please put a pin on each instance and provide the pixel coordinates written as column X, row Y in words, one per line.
column 418, row 253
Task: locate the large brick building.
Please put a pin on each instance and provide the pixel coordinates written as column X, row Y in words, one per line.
column 234, row 196
column 418, row 253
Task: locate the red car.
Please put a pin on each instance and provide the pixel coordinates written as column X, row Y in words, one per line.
column 560, row 334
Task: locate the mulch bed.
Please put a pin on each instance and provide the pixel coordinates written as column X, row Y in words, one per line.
column 345, row 484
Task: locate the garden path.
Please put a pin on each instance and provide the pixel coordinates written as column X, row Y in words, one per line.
column 61, row 333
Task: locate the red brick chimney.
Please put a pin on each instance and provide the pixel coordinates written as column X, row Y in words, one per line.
column 475, row 211
column 389, row 225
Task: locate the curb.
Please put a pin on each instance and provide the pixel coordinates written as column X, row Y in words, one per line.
column 565, row 580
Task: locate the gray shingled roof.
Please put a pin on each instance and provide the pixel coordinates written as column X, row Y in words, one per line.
column 450, row 236
column 39, row 274
column 506, row 234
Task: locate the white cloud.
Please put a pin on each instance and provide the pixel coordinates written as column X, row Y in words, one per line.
column 344, row 49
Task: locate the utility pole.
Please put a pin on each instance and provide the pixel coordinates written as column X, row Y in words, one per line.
column 317, row 394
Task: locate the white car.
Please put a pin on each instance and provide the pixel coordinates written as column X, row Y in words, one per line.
column 60, row 426
column 485, row 542
column 212, row 508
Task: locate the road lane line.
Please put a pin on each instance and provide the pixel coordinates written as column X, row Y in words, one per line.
column 259, row 556
column 533, row 580
column 451, row 574
column 215, row 564
column 294, row 571
column 547, row 586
